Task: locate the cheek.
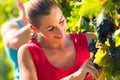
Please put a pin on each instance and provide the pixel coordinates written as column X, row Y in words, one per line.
column 64, row 27
column 47, row 35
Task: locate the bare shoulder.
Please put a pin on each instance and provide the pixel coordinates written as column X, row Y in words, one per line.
column 23, row 52
column 24, row 59
column 89, row 36
column 26, row 64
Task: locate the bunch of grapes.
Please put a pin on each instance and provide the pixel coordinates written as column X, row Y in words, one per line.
column 104, row 30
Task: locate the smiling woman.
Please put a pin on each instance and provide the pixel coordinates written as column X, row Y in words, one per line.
column 56, row 55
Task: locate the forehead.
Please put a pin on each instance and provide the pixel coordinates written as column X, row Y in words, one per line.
column 54, row 17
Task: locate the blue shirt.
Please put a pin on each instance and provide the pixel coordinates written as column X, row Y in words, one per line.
column 12, row 54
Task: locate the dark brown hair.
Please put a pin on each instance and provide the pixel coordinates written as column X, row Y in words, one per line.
column 36, row 9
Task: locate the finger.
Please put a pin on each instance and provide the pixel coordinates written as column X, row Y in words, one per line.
column 88, row 61
column 93, row 70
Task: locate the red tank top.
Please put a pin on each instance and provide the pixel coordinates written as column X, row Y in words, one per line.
column 46, row 71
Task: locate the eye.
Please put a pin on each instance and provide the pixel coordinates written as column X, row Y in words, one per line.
column 61, row 22
column 50, row 28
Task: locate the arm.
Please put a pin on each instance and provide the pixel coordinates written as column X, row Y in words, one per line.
column 26, row 65
column 14, row 37
column 84, row 69
column 89, row 36
column 21, row 8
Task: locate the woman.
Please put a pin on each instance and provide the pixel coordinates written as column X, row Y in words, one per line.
column 56, row 55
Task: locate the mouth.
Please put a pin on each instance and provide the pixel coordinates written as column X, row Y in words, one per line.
column 59, row 37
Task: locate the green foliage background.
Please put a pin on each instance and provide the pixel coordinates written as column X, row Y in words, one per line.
column 74, row 12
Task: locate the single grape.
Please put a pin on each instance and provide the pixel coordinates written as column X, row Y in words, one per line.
column 118, row 10
column 112, row 47
column 97, row 66
column 114, row 1
column 91, row 46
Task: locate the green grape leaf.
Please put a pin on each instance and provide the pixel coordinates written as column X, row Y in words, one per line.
column 117, row 38
column 91, row 8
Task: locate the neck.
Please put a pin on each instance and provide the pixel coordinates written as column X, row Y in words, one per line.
column 54, row 45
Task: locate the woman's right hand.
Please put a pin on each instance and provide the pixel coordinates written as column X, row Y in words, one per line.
column 82, row 72
column 88, row 67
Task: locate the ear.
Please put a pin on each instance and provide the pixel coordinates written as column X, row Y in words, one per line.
column 33, row 28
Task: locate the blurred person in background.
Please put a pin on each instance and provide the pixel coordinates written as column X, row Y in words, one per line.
column 15, row 33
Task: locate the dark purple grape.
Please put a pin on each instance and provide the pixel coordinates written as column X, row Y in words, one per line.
column 94, row 20
column 118, row 10
column 91, row 46
column 86, row 19
column 112, row 48
column 97, row 66
column 114, row 1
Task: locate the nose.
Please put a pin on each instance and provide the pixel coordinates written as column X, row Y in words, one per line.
column 59, row 31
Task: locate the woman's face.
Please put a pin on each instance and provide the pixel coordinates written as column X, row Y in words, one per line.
column 53, row 26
